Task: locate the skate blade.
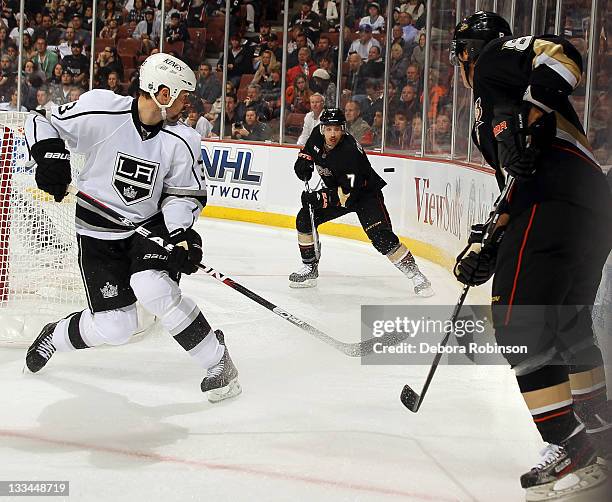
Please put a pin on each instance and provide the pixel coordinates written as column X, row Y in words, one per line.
column 221, row 394
column 426, row 292
column 308, row 283
column 577, row 486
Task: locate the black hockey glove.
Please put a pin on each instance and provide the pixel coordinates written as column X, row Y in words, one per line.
column 187, row 252
column 519, row 145
column 476, row 263
column 304, row 166
column 53, row 167
column 326, row 197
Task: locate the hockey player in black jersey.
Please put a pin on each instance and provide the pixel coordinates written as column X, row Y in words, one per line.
column 350, row 185
column 549, row 246
column 145, row 165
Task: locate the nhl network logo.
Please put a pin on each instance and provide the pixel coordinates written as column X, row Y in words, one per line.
column 109, row 290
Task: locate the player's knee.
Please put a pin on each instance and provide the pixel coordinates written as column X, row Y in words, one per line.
column 156, row 291
column 115, row 327
column 383, row 240
column 302, row 222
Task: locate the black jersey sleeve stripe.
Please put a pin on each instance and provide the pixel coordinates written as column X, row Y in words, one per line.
column 35, row 135
column 92, row 112
column 193, row 160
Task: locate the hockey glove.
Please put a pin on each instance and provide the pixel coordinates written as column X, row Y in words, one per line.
column 187, row 252
column 53, row 167
column 304, row 166
column 476, row 263
column 321, row 199
column 519, row 145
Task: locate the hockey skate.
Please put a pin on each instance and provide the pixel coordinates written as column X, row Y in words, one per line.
column 306, row 277
column 564, row 470
column 221, row 381
column 422, row 286
column 42, row 349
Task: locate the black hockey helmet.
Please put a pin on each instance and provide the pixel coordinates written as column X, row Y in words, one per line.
column 332, row 116
column 474, row 32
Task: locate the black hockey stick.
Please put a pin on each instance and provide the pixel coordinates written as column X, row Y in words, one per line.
column 315, row 232
column 350, row 349
column 409, row 398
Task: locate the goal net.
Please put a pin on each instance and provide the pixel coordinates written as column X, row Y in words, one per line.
column 40, row 280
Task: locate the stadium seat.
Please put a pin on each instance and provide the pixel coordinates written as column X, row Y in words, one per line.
column 176, row 47
column 245, row 80
column 129, row 47
column 100, row 43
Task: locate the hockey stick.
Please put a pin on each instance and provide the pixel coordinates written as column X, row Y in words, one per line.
column 409, row 398
column 350, row 349
column 315, row 232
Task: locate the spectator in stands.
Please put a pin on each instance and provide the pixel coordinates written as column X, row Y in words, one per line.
column 401, row 132
column 111, row 11
column 65, row 46
column 148, row 31
column 293, row 45
column 374, row 101
column 208, row 87
column 373, row 67
column 56, row 79
column 170, row 9
column 355, row 82
column 11, row 52
column 31, row 69
column 305, row 65
column 297, row 95
column 231, row 117
column 43, row 99
column 253, row 100
column 75, row 93
column 265, row 64
column 441, row 137
column 358, row 127
column 416, row 138
column 328, row 13
column 397, row 35
column 50, row 33
column 328, row 65
column 112, row 83
column 251, row 128
column 416, row 8
column 437, row 93
column 374, row 19
column 364, row 43
column 239, row 61
column 311, row 119
column 409, row 103
column 300, row 41
column 324, row 49
column 413, row 78
column 418, row 53
column 62, row 95
column 177, row 31
column 7, row 76
column 321, row 83
column 45, row 59
column 87, row 21
column 410, row 32
column 14, row 33
column 271, row 92
column 196, row 14
column 61, row 21
column 77, row 64
column 29, row 50
column 110, row 29
column 80, row 33
column 308, row 20
column 196, row 120
column 376, row 130
column 108, row 60
column 273, row 46
column 11, row 106
column 393, row 101
column 137, row 13
column 399, row 63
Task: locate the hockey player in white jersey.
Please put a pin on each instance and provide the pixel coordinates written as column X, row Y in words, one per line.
column 147, row 166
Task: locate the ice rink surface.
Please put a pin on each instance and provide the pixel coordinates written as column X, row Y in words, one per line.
column 130, row 423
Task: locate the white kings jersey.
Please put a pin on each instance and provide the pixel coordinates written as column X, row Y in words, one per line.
column 138, row 171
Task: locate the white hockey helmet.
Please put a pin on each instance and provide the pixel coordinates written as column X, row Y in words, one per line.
column 163, row 69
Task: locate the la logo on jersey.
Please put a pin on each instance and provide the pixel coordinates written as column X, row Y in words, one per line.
column 134, row 178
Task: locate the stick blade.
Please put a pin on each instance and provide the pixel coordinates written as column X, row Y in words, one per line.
column 410, row 399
